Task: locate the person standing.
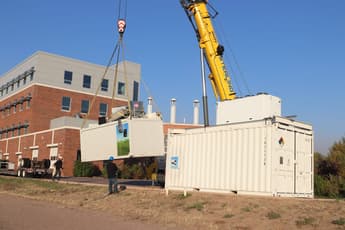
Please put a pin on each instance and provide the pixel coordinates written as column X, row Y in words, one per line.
column 58, row 167
column 111, row 169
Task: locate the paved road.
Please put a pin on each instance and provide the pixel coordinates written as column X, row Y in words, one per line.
column 24, row 213
column 102, row 180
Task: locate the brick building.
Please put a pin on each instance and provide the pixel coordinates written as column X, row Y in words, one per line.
column 43, row 99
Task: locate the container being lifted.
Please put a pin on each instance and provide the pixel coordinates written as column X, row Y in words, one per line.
column 124, row 138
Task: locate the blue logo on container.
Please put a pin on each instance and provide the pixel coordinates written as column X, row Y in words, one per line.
column 174, row 162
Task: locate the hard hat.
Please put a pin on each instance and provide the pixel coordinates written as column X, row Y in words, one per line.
column 111, row 158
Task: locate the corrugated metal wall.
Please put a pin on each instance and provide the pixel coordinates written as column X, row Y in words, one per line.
column 246, row 158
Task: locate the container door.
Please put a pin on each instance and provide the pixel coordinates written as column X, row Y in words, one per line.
column 283, row 160
column 304, row 163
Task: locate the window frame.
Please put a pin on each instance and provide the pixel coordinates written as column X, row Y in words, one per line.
column 68, row 74
column 121, row 88
column 82, row 106
column 103, row 113
column 105, row 85
column 136, row 87
column 87, row 81
column 63, row 106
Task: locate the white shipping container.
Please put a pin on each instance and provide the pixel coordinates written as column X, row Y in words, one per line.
column 271, row 157
column 248, row 108
column 136, row 137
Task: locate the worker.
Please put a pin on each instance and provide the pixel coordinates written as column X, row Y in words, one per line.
column 58, row 167
column 112, row 169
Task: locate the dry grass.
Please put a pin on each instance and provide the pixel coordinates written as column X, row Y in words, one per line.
column 194, row 211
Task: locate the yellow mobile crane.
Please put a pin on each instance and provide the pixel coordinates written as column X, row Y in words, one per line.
column 212, row 50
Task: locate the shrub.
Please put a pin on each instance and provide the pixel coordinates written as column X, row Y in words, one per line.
column 329, row 180
column 340, row 221
column 273, row 215
column 198, row 206
column 320, row 186
column 305, row 221
column 85, row 169
column 134, row 171
column 228, row 215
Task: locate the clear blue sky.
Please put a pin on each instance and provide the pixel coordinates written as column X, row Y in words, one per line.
column 291, row 49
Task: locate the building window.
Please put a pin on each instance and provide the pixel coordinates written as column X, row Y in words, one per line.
column 18, row 83
column 19, row 127
column 1, row 92
column 26, row 126
column 28, row 101
column 105, row 84
column 14, row 108
column 13, row 130
column 21, row 102
column 24, row 80
column 31, row 76
column 103, row 109
column 84, row 106
column 35, row 154
column 9, row 109
column 87, row 81
column 66, row 103
column 6, row 90
column 121, row 88
column 135, row 91
column 53, row 155
column 12, row 87
column 68, row 77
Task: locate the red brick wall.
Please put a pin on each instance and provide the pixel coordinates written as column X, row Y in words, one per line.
column 45, row 105
column 25, row 143
column 67, row 140
column 12, row 148
column 70, row 140
column 18, row 116
column 166, row 127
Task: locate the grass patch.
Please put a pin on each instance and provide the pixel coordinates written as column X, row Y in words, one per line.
column 246, row 209
column 198, row 206
column 228, row 215
column 305, row 221
column 255, row 206
column 181, row 196
column 340, row 221
column 273, row 215
column 35, row 187
column 250, row 207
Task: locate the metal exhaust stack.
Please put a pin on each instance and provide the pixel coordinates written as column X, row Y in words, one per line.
column 173, row 111
column 196, row 112
column 149, row 105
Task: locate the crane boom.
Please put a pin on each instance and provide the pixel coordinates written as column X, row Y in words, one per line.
column 213, row 51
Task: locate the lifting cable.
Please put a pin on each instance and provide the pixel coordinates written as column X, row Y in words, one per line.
column 232, row 54
column 121, row 29
column 121, row 25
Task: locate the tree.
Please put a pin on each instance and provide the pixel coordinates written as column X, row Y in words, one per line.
column 336, row 158
column 330, row 171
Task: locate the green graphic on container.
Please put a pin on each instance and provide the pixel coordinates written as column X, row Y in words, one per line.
column 122, row 139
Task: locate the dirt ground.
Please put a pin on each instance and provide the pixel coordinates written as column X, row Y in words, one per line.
column 144, row 207
column 25, row 213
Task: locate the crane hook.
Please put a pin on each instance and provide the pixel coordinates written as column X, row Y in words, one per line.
column 121, row 25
